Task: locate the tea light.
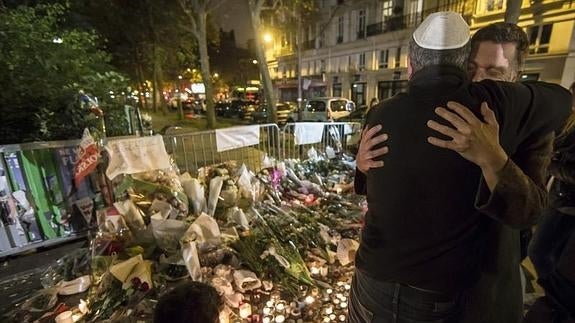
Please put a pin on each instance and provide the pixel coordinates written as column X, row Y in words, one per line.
column 280, row 307
column 343, row 305
column 332, row 317
column 329, row 310
column 343, row 299
column 267, row 310
column 314, row 270
column 339, row 295
column 309, row 299
column 245, row 310
column 295, row 313
column 329, row 291
column 267, row 319
column 347, row 286
column 340, row 283
column 336, row 301
column 280, row 319
column 326, row 319
column 342, row 318
column 270, row 304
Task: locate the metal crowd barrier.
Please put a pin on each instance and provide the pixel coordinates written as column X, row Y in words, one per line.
column 194, row 150
column 298, row 138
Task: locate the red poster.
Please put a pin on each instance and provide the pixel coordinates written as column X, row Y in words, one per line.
column 87, row 160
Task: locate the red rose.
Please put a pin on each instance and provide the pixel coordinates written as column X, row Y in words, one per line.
column 144, row 287
column 136, row 282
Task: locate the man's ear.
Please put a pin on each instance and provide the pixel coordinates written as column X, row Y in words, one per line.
column 409, row 68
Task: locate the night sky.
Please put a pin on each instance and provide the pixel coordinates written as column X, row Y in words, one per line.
column 234, row 14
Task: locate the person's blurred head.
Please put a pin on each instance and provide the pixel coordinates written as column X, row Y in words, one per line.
column 498, row 52
column 441, row 39
column 189, row 302
column 572, row 89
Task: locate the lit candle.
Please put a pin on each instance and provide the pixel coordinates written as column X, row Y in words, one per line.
column 339, row 295
column 342, row 318
column 267, row 319
column 280, row 319
column 347, row 286
column 309, row 299
column 245, row 310
column 340, row 283
column 336, row 301
column 280, row 307
column 332, row 317
column 326, row 319
column 270, row 304
column 267, row 310
column 314, row 270
column 343, row 305
column 343, row 299
column 329, row 310
column 329, row 291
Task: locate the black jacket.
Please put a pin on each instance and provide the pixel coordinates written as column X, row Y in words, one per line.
column 422, row 227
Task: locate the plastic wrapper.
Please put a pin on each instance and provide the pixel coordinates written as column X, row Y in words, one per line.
column 131, row 215
column 237, row 216
column 167, row 232
column 229, row 193
column 67, row 268
column 135, row 267
column 346, row 249
column 76, row 286
column 161, row 185
column 192, row 259
column 195, row 192
column 42, row 300
column 214, row 195
column 246, row 280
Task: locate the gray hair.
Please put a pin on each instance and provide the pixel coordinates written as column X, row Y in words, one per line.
column 421, row 57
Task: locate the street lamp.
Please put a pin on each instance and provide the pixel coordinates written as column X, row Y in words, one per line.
column 268, row 38
column 255, row 61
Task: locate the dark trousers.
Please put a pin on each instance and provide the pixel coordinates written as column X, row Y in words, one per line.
column 550, row 238
column 373, row 301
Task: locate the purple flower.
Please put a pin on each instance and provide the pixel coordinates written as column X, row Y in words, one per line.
column 144, row 287
column 136, row 282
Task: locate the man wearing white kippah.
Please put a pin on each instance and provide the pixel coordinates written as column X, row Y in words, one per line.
column 424, row 238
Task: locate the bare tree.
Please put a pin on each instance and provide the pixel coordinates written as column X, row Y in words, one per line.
column 513, row 11
column 256, row 7
column 197, row 11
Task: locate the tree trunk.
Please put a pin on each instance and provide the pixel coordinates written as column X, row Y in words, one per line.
column 155, row 80
column 205, row 70
column 513, row 11
column 263, row 66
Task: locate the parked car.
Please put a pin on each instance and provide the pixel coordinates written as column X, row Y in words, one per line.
column 187, row 102
column 237, row 108
column 283, row 110
column 222, row 108
column 357, row 115
column 324, row 109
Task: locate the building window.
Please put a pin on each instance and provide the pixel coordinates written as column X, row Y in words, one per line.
column 336, row 89
column 386, row 9
column 387, row 89
column 339, row 39
column 322, row 66
column 398, row 57
column 493, row 5
column 361, row 24
column 539, row 37
column 383, row 58
column 361, row 64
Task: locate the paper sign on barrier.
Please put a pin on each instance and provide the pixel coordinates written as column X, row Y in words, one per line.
column 237, row 137
column 136, row 155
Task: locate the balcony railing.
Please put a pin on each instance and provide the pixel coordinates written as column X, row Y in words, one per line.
column 412, row 20
column 309, row 44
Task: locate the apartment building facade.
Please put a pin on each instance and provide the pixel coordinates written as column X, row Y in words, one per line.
column 358, row 48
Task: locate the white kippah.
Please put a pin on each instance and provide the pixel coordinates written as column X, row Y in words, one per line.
column 442, row 30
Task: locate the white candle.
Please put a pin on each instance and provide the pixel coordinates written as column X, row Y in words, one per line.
column 309, row 299
column 267, row 310
column 270, row 304
column 332, row 317
column 245, row 310
column 267, row 319
column 326, row 319
column 342, row 318
column 329, row 310
column 314, row 270
column 329, row 290
column 280, row 319
column 343, row 305
column 280, row 306
column 343, row 299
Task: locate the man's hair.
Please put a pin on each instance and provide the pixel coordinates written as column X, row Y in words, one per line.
column 503, row 32
column 189, row 302
column 421, row 57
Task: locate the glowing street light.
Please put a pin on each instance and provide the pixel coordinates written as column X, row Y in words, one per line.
column 268, row 38
column 216, row 75
column 179, row 77
column 255, row 61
